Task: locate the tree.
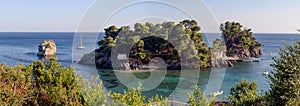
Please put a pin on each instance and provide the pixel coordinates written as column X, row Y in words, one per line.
column 197, row 98
column 217, row 52
column 244, row 94
column 193, row 31
column 134, row 97
column 285, row 80
column 184, row 35
column 47, row 83
column 238, row 38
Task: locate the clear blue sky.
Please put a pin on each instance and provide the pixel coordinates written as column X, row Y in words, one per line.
column 263, row 16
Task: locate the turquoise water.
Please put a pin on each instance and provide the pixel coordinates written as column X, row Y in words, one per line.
column 22, row 47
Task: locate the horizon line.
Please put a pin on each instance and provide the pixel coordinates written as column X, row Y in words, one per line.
column 104, row 32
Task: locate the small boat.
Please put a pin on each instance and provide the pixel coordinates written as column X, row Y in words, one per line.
column 256, row 59
column 80, row 46
column 218, row 93
column 247, row 59
column 265, row 73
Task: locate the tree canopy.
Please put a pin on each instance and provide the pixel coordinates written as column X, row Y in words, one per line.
column 238, row 38
column 185, row 35
column 285, row 80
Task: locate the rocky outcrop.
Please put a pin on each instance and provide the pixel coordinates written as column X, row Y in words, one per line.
column 47, row 48
column 100, row 58
column 241, row 52
column 240, row 41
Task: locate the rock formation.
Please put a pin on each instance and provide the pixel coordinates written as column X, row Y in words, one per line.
column 240, row 41
column 47, row 48
column 100, row 58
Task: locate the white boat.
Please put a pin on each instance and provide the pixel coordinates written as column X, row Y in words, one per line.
column 265, row 73
column 80, row 46
column 256, row 59
column 218, row 93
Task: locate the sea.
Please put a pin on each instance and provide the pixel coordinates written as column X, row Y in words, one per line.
column 21, row 48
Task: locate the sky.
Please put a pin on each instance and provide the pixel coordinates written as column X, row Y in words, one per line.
column 262, row 16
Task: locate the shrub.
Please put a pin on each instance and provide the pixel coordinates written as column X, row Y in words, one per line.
column 47, row 83
column 244, row 94
column 197, row 99
column 15, row 85
column 134, row 97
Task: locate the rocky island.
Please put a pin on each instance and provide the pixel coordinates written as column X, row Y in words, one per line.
column 236, row 43
column 240, row 41
column 47, row 48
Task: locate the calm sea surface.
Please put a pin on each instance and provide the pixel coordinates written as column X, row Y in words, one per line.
column 22, row 48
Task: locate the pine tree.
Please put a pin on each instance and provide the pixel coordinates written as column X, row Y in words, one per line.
column 285, row 80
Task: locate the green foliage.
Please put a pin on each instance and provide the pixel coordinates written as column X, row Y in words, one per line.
column 244, row 94
column 197, row 99
column 134, row 97
column 219, row 46
column 92, row 91
column 185, row 33
column 218, row 50
column 47, row 83
column 56, row 85
column 285, row 84
column 238, row 38
column 15, row 85
column 158, row 101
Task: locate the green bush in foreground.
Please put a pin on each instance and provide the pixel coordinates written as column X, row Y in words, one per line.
column 46, row 84
column 134, row 97
column 15, row 85
column 55, row 85
column 92, row 91
column 197, row 99
column 244, row 94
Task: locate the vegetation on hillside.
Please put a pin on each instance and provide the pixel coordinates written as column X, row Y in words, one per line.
column 239, row 40
column 46, row 83
column 167, row 40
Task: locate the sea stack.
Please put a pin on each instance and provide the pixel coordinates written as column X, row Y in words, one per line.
column 47, row 48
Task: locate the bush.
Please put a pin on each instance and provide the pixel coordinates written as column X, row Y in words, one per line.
column 244, row 94
column 15, row 85
column 55, row 85
column 92, row 91
column 47, row 83
column 134, row 97
column 197, row 99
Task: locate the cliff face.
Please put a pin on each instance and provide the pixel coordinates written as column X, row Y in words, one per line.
column 241, row 52
column 100, row 58
column 47, row 48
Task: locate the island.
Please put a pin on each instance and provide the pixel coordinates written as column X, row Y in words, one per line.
column 240, row 41
column 172, row 41
column 47, row 48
